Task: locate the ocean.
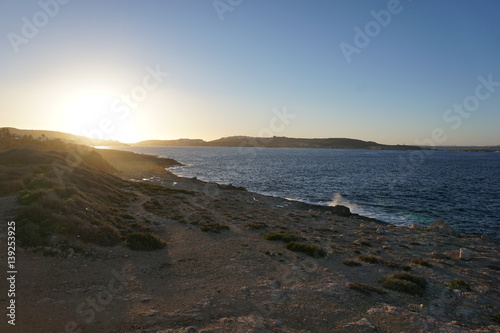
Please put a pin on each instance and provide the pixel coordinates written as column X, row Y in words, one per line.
column 399, row 187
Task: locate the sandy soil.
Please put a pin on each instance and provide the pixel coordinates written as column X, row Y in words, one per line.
column 237, row 281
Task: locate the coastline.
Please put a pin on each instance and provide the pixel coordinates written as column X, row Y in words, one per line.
column 241, row 261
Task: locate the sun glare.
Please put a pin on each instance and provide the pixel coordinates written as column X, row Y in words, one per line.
column 92, row 115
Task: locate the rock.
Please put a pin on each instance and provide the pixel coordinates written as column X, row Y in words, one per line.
column 416, row 227
column 464, row 254
column 341, row 210
column 380, row 231
column 361, row 326
column 362, row 226
column 486, row 238
column 443, row 228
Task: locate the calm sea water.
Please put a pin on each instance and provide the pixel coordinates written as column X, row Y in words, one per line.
column 399, row 187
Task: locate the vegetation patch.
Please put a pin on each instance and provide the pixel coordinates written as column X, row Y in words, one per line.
column 351, row 262
column 312, row 250
column 153, row 189
column 281, row 236
column 458, row 284
column 366, row 288
column 407, row 283
column 214, row 227
column 370, row 259
column 419, row 280
column 421, row 262
column 496, row 317
column 256, row 225
column 139, row 241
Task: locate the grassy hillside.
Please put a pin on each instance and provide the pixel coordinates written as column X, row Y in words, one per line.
column 67, row 192
column 41, row 135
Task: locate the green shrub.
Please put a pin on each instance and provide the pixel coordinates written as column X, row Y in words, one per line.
column 256, row 225
column 366, row 288
column 421, row 262
column 214, row 227
column 407, row 283
column 285, row 237
column 31, row 234
column 458, row 284
column 351, row 262
column 496, row 317
column 139, row 241
column 312, row 250
column 419, row 280
column 370, row 259
column 403, row 286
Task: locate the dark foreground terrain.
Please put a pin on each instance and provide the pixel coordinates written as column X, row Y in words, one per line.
column 109, row 241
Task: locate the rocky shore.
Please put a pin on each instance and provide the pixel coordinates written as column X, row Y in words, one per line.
column 237, row 261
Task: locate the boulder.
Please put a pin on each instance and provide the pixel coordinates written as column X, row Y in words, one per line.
column 464, row 254
column 444, row 228
column 341, row 210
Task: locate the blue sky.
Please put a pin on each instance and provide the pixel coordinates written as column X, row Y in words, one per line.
column 230, row 77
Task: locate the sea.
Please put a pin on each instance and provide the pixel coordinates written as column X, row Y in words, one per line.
column 398, row 187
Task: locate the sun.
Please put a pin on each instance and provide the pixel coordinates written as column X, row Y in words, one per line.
column 95, row 115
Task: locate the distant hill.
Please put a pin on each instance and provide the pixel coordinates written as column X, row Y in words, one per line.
column 279, row 142
column 66, row 137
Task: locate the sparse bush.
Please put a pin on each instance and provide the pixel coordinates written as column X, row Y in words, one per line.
column 403, row 286
column 421, row 262
column 419, row 280
column 366, row 288
column 458, row 284
column 139, row 241
column 312, row 250
column 496, row 317
column 351, row 262
column 256, row 225
column 214, row 227
column 285, row 237
column 370, row 259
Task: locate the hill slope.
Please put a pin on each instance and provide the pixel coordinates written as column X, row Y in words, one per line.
column 279, row 142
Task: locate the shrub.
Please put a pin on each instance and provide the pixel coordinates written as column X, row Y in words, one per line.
column 496, row 317
column 31, row 234
column 370, row 259
column 403, row 286
column 419, row 280
column 285, row 237
column 256, row 225
column 312, row 250
column 407, row 283
column 458, row 284
column 351, row 262
column 214, row 227
column 139, row 241
column 421, row 262
column 366, row 288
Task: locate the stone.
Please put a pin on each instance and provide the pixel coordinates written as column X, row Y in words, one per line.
column 416, row 227
column 443, row 227
column 341, row 210
column 464, row 254
column 380, row 231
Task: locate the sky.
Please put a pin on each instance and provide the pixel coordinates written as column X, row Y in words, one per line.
column 394, row 72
